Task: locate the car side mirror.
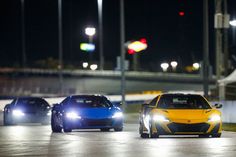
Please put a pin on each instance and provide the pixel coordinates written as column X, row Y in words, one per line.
column 119, row 104
column 218, row 105
column 55, row 105
column 145, row 105
column 49, row 107
column 6, row 106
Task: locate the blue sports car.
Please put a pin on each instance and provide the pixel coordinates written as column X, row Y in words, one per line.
column 86, row 112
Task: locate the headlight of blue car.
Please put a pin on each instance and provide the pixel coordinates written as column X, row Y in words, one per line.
column 73, row 115
column 117, row 115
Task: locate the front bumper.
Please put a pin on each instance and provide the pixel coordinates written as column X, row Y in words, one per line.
column 186, row 129
column 31, row 118
column 87, row 123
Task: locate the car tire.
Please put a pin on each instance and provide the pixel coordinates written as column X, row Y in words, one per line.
column 144, row 135
column 218, row 135
column 7, row 120
column 118, row 129
column 54, row 126
column 153, row 135
column 45, row 123
column 204, row 136
column 105, row 129
column 67, row 129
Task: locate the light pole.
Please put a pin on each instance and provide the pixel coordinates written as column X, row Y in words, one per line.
column 218, row 37
column 60, row 47
column 205, row 48
column 226, row 47
column 23, row 33
column 101, row 57
column 122, row 51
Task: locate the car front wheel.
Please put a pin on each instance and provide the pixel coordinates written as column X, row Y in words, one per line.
column 216, row 135
column 153, row 135
column 105, row 129
column 204, row 136
column 7, row 120
column 142, row 135
column 67, row 129
column 54, row 125
column 118, row 129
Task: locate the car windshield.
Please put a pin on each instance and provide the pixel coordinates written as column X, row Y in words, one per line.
column 90, row 102
column 183, row 102
column 32, row 102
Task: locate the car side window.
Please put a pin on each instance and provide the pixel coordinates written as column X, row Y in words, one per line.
column 153, row 102
column 42, row 103
column 13, row 102
column 65, row 101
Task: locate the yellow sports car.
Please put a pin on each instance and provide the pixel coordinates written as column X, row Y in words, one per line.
column 180, row 114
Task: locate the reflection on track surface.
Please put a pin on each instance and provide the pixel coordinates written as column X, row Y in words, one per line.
column 40, row 141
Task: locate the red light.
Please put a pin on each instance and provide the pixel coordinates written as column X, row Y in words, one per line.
column 130, row 51
column 181, row 13
column 143, row 40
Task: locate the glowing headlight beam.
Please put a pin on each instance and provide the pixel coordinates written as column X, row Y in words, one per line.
column 214, row 118
column 17, row 113
column 72, row 115
column 159, row 118
column 49, row 114
column 117, row 115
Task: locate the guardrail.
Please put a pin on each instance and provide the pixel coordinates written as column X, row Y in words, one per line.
column 110, row 73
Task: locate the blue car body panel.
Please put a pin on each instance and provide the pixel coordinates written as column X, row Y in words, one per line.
column 93, row 118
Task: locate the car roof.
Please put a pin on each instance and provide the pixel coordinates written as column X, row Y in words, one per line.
column 179, row 94
column 28, row 97
column 72, row 96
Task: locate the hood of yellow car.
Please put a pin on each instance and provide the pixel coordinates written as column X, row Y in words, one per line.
column 187, row 116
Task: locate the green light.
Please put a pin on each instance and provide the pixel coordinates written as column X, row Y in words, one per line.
column 88, row 47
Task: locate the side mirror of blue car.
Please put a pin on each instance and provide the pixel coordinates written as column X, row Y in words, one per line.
column 218, row 105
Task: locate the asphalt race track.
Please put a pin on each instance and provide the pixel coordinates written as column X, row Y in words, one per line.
column 37, row 140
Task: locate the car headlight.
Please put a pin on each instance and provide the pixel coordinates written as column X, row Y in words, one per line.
column 18, row 113
column 214, row 118
column 160, row 118
column 72, row 115
column 117, row 115
column 49, row 113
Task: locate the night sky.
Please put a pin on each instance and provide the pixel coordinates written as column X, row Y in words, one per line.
column 169, row 36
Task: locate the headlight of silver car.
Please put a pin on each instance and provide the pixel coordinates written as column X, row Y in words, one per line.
column 18, row 113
